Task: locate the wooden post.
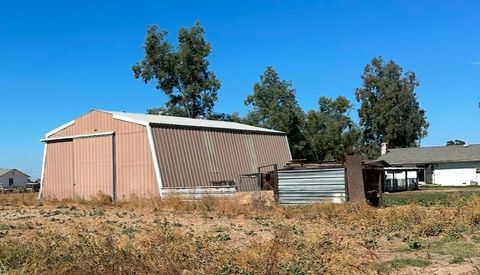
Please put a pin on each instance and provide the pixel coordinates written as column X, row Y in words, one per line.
column 381, row 182
column 354, row 179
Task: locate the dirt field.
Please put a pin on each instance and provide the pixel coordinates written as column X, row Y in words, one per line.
column 241, row 236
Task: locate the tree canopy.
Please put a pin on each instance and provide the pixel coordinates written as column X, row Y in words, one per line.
column 274, row 105
column 389, row 110
column 330, row 132
column 180, row 72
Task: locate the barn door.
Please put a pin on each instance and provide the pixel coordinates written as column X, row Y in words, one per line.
column 59, row 164
column 93, row 167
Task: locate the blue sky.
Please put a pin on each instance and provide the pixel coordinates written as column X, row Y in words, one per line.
column 59, row 60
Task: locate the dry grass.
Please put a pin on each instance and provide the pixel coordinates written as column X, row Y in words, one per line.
column 220, row 236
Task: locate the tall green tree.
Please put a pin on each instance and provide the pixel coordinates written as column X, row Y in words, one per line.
column 274, row 105
column 389, row 110
column 330, row 132
column 181, row 73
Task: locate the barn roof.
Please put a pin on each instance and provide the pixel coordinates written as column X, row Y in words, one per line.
column 437, row 154
column 188, row 122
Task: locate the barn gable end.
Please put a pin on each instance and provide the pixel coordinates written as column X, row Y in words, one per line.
column 134, row 171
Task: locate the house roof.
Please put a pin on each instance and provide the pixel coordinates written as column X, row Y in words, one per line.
column 437, row 154
column 4, row 171
column 188, row 122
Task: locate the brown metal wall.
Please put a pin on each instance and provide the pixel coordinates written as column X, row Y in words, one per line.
column 195, row 157
column 59, row 171
column 93, row 167
column 135, row 170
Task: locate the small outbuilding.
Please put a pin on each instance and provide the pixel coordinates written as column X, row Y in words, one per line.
column 12, row 178
column 125, row 154
column 443, row 165
column 352, row 181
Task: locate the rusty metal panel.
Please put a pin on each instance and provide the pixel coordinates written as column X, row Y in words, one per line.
column 356, row 186
column 301, row 186
column 93, row 167
column 191, row 157
column 58, row 163
column 135, row 170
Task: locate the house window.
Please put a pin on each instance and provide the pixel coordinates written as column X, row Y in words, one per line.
column 10, row 182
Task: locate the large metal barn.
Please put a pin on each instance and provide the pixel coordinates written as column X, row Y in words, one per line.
column 124, row 154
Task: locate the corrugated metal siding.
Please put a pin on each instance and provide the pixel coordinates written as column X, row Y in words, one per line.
column 93, row 167
column 190, row 157
column 58, row 164
column 135, row 170
column 199, row 192
column 311, row 185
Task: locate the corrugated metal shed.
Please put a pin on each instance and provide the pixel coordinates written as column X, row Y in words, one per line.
column 150, row 154
column 299, row 186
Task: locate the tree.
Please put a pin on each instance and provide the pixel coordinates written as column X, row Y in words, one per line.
column 274, row 105
column 180, row 72
column 234, row 117
column 389, row 110
column 330, row 132
column 455, row 142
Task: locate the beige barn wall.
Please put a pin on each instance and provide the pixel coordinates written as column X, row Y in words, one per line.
column 93, row 166
column 58, row 177
column 135, row 171
column 190, row 157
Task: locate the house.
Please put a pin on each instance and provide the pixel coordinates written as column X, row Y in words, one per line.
column 125, row 154
column 10, row 178
column 444, row 165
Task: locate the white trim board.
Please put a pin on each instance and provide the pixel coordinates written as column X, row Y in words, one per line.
column 79, row 136
column 155, row 160
column 43, row 170
column 128, row 119
column 58, row 129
